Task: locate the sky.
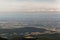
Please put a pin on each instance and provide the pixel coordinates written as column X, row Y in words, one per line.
column 28, row 5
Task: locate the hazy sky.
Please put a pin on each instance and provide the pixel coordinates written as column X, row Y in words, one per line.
column 27, row 5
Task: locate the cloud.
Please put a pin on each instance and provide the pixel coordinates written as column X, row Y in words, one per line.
column 26, row 5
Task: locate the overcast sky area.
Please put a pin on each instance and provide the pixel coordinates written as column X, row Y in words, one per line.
column 27, row 5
